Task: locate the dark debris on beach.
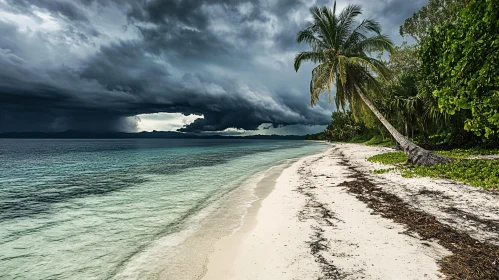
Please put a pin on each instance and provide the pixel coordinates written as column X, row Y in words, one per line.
column 470, row 258
column 319, row 244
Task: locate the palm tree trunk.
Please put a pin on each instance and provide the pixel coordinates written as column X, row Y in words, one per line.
column 415, row 154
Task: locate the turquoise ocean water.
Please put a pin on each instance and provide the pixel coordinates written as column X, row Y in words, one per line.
column 89, row 209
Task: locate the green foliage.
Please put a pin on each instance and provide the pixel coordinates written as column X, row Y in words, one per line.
column 417, row 105
column 401, row 104
column 342, row 127
column 321, row 136
column 459, row 66
column 361, row 138
column 378, row 140
column 476, row 172
column 435, row 13
column 462, row 153
column 400, row 157
column 448, row 82
column 382, row 171
column 404, row 60
column 342, row 51
column 389, row 158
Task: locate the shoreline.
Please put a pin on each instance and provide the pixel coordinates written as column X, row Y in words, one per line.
column 319, row 221
column 227, row 251
column 183, row 254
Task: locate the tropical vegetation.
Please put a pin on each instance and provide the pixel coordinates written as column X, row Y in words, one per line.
column 465, row 54
column 476, row 172
column 344, row 51
column 441, row 90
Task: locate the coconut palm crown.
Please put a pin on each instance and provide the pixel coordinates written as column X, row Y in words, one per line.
column 342, row 50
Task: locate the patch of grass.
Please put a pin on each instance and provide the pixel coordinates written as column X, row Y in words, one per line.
column 379, row 141
column 359, row 139
column 387, row 143
column 462, row 153
column 476, row 172
column 389, row 158
column 382, row 171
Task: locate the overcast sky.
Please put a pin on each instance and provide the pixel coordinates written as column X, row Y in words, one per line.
column 126, row 65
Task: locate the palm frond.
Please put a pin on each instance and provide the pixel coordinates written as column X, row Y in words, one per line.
column 346, row 20
column 372, row 44
column 342, row 51
column 358, row 34
column 320, row 25
column 319, row 82
column 314, row 57
column 374, row 65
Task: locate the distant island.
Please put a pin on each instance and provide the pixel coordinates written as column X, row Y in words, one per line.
column 75, row 134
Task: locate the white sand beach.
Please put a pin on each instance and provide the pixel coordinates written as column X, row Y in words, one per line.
column 314, row 221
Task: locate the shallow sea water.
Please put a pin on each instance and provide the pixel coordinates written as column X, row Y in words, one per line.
column 103, row 209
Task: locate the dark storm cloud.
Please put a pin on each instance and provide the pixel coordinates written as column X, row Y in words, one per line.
column 125, row 67
column 392, row 13
column 63, row 8
column 105, row 62
column 397, row 11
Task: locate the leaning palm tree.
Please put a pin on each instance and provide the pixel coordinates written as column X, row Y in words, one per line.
column 342, row 52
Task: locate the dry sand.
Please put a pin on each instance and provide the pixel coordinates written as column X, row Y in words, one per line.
column 308, row 224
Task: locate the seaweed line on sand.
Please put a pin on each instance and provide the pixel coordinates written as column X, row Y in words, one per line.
column 319, row 244
column 492, row 226
column 470, row 259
